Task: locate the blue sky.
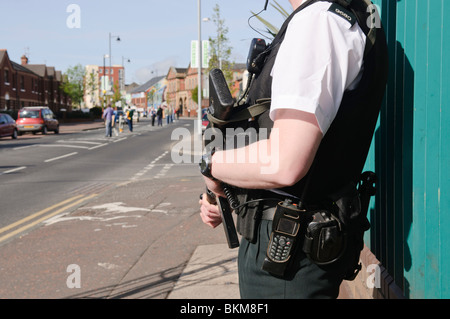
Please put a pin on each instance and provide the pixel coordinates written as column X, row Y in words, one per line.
column 154, row 34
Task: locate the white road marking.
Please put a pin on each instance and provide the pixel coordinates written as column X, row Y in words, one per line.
column 79, row 141
column 63, row 145
column 60, row 157
column 164, row 170
column 151, row 166
column 24, row 147
column 13, row 170
column 98, row 146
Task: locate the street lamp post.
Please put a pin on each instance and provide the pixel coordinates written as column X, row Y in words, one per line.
column 122, row 84
column 199, row 126
column 104, row 79
column 110, row 58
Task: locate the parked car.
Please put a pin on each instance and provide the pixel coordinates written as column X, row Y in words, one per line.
column 36, row 119
column 8, row 126
column 205, row 121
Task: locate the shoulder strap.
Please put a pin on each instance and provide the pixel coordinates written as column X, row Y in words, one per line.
column 247, row 113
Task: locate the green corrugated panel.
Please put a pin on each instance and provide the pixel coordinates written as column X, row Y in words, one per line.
column 444, row 180
column 411, row 151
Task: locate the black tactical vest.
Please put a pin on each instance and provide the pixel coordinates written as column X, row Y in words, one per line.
column 343, row 150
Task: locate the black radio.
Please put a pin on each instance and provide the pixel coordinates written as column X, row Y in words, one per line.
column 256, row 56
column 286, row 227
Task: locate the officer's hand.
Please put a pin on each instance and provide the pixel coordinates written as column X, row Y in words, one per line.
column 214, row 186
column 209, row 213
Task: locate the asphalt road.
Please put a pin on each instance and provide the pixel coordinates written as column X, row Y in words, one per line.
column 39, row 171
column 117, row 218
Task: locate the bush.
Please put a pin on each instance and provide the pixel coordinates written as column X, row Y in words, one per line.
column 96, row 112
column 78, row 115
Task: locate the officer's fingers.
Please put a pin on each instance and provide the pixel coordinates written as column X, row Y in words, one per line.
column 209, row 217
column 209, row 213
column 204, row 202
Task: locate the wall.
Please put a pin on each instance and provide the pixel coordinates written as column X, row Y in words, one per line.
column 411, row 151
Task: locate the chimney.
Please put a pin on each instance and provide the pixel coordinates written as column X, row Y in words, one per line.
column 24, row 59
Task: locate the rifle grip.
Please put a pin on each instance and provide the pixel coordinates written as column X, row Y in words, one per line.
column 227, row 218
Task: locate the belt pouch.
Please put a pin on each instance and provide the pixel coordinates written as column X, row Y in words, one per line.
column 248, row 220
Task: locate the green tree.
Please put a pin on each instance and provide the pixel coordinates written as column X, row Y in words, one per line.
column 151, row 95
column 117, row 96
column 91, row 83
column 220, row 48
column 73, row 83
column 194, row 94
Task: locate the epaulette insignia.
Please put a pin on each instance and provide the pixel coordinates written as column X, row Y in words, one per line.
column 343, row 13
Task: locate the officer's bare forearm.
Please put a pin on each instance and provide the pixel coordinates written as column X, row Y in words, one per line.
column 272, row 163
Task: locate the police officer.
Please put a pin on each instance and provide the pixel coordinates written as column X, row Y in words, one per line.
column 325, row 73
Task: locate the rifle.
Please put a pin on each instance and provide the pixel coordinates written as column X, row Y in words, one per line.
column 221, row 106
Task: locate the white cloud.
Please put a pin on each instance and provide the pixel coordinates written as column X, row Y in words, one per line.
column 148, row 72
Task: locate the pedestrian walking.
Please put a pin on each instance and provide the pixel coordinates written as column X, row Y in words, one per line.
column 159, row 114
column 114, row 120
column 153, row 116
column 130, row 113
column 108, row 114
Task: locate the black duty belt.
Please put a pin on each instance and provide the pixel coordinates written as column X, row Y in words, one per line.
column 270, row 199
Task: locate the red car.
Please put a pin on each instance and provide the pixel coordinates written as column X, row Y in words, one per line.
column 8, row 126
column 37, row 119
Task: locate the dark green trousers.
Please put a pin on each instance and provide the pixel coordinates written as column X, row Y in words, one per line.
column 305, row 280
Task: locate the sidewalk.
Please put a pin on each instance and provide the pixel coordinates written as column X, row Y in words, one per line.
column 80, row 126
column 211, row 273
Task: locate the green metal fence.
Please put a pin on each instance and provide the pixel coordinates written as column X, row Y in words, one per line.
column 411, row 151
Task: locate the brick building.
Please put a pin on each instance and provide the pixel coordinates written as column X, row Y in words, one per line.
column 26, row 84
column 182, row 81
column 103, row 80
column 176, row 88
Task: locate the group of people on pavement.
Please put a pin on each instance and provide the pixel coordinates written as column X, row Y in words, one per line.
column 158, row 114
column 110, row 114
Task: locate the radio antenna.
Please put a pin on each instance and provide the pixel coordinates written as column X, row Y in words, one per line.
column 255, row 15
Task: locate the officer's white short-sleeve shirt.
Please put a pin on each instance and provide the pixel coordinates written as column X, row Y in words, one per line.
column 319, row 59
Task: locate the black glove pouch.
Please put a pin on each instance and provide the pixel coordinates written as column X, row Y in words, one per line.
column 324, row 241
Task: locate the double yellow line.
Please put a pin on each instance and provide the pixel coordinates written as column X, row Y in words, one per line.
column 45, row 213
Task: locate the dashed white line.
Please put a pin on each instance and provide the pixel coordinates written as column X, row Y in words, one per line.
column 81, row 142
column 13, row 170
column 120, row 139
column 63, row 145
column 98, row 146
column 60, row 157
column 164, row 170
column 151, row 166
column 24, row 147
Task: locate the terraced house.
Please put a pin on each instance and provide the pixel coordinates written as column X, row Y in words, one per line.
column 26, row 84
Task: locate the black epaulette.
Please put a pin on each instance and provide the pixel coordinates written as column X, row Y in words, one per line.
column 344, row 13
